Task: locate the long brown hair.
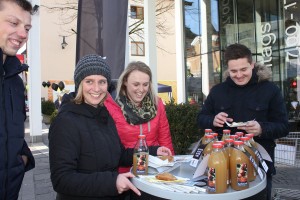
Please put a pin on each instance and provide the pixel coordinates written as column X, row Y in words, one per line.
column 139, row 66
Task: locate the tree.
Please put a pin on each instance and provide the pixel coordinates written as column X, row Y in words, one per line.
column 68, row 13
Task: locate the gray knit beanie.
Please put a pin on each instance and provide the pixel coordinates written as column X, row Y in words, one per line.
column 91, row 65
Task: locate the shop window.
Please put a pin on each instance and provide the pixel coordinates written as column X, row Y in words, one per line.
column 137, row 48
column 137, row 12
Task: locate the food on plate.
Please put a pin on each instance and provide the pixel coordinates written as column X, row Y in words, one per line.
column 170, row 158
column 165, row 177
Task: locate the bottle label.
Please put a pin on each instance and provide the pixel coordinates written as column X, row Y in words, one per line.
column 242, row 174
column 141, row 163
column 211, row 182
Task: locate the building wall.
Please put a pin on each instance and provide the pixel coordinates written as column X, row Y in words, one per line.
column 57, row 64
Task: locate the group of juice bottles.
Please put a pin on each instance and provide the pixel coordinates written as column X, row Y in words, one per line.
column 228, row 163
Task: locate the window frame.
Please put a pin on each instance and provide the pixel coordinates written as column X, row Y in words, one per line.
column 137, row 47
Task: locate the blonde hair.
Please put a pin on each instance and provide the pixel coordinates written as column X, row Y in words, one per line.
column 139, row 66
column 79, row 98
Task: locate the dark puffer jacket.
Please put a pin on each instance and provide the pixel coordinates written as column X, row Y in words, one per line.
column 85, row 152
column 12, row 116
column 259, row 99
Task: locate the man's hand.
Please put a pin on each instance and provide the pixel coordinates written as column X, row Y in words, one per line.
column 25, row 159
column 220, row 119
column 164, row 151
column 252, row 127
column 123, row 184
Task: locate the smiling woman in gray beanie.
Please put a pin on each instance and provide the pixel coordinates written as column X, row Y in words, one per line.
column 84, row 147
column 91, row 65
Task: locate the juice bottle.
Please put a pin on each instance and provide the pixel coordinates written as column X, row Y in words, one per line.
column 208, row 142
column 226, row 134
column 228, row 146
column 239, row 134
column 251, row 140
column 215, row 136
column 226, row 158
column 251, row 169
column 239, row 167
column 206, row 132
column 228, row 149
column 216, row 171
column 140, row 156
column 234, row 137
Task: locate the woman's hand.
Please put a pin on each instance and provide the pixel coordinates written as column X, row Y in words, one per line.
column 123, row 184
column 164, row 151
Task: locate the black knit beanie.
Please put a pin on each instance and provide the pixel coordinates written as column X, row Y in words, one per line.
column 91, row 65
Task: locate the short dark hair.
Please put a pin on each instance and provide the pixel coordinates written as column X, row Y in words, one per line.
column 236, row 51
column 24, row 4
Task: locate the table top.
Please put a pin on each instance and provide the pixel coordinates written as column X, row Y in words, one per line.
column 186, row 171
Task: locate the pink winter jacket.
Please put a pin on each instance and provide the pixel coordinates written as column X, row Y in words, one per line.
column 159, row 134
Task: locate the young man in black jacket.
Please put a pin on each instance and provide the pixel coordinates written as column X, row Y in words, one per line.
column 247, row 95
column 15, row 156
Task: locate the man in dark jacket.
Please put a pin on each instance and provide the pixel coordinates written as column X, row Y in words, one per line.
column 15, row 156
column 247, row 95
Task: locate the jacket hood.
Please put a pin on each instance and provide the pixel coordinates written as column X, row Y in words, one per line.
column 68, row 105
column 262, row 72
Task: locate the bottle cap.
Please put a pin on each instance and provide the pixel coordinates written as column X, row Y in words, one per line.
column 234, row 137
column 240, row 134
column 228, row 140
column 217, row 145
column 215, row 134
column 249, row 135
column 244, row 139
column 207, row 130
column 209, row 136
column 238, row 142
column 227, row 131
column 220, row 142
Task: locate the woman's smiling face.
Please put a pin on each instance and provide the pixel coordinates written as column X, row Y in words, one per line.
column 137, row 86
column 94, row 89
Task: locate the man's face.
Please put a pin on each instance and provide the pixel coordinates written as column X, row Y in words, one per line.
column 15, row 24
column 240, row 71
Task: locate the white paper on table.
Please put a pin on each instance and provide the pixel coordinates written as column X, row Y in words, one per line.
column 157, row 162
column 201, row 167
column 264, row 154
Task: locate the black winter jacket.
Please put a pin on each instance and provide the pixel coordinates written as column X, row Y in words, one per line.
column 85, row 152
column 259, row 99
column 12, row 116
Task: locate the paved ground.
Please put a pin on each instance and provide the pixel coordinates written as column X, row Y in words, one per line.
column 37, row 184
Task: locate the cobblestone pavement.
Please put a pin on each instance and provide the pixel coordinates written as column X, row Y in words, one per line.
column 37, row 184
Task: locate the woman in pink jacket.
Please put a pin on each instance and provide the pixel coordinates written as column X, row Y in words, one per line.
column 138, row 110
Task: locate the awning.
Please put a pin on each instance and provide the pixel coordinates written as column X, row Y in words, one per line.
column 165, row 88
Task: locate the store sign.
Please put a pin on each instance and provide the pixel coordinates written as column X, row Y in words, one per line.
column 291, row 31
column 268, row 39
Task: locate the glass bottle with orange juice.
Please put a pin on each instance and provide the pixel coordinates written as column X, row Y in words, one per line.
column 239, row 163
column 217, row 181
